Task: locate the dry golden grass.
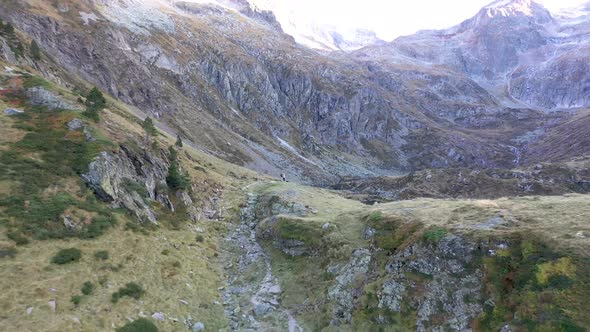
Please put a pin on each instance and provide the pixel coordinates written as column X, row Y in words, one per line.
column 29, row 280
column 188, row 271
column 565, row 220
column 9, row 134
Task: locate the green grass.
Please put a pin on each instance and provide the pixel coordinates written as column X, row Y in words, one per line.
column 33, row 81
column 301, row 230
column 48, row 156
column 526, row 282
column 391, row 233
column 434, row 235
column 133, row 186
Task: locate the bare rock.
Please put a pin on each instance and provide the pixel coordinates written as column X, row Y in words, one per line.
column 52, row 305
column 128, row 179
column 12, row 111
column 159, row 316
column 42, row 97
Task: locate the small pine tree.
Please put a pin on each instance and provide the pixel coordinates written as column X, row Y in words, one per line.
column 95, row 99
column 148, row 126
column 176, row 179
column 178, row 141
column 95, row 102
column 35, row 51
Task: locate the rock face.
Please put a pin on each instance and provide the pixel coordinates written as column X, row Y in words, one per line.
column 342, row 292
column 247, row 92
column 234, row 82
column 130, row 179
column 515, row 49
column 43, row 97
column 448, row 287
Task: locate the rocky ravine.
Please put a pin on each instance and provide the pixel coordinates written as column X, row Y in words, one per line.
column 252, row 295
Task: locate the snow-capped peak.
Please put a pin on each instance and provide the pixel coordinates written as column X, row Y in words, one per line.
column 509, row 8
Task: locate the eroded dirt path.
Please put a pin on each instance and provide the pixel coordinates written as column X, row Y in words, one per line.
column 252, row 293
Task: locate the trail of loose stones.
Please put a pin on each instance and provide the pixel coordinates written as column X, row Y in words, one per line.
column 251, row 296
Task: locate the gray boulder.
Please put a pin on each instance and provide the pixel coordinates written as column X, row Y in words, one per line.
column 128, row 179
column 40, row 96
column 198, row 326
column 12, row 111
column 76, row 124
column 262, row 309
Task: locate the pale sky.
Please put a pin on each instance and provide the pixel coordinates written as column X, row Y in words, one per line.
column 391, row 18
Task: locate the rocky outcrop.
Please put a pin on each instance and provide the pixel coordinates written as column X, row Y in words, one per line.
column 42, row 97
column 130, row 179
column 543, row 85
column 445, row 288
column 343, row 291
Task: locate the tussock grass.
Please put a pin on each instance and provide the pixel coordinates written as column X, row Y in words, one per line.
column 28, row 279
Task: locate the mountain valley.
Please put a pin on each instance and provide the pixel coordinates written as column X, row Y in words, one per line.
column 440, row 181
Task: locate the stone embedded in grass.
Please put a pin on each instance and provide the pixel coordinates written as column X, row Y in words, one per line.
column 12, row 111
column 52, row 305
column 198, row 326
column 101, row 255
column 75, row 124
column 159, row 316
column 40, row 96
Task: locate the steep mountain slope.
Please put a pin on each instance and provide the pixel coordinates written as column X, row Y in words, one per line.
column 515, row 49
column 235, row 85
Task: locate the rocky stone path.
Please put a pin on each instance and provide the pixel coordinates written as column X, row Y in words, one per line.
column 251, row 296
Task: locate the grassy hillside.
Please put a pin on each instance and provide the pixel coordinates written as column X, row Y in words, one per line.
column 530, row 255
column 174, row 262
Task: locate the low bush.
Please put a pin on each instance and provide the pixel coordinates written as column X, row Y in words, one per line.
column 132, row 290
column 65, row 256
column 18, row 238
column 76, row 299
column 139, row 325
column 87, row 288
